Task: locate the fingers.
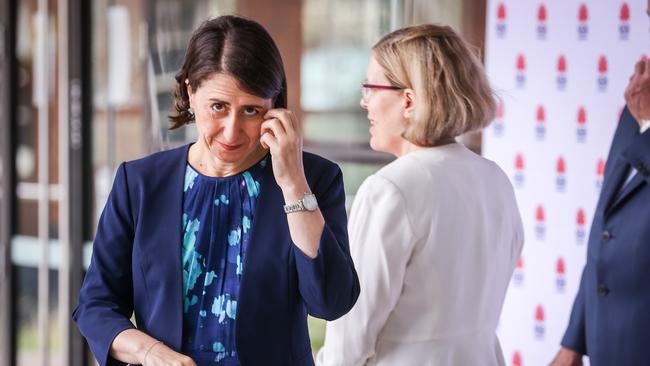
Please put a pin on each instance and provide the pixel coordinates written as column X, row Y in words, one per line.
column 274, row 127
column 269, row 141
column 287, row 118
column 639, row 67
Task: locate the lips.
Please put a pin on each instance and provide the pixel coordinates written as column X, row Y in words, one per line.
column 228, row 147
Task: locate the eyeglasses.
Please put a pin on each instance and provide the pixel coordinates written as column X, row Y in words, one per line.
column 367, row 88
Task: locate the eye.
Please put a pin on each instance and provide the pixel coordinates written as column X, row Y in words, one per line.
column 218, row 107
column 250, row 111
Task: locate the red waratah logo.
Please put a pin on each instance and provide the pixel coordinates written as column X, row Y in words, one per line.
column 560, row 80
column 497, row 125
column 581, row 130
column 560, row 179
column 600, row 172
column 541, row 22
column 519, row 170
column 580, row 226
column 516, row 359
column 624, row 25
column 518, row 274
column 501, row 20
column 583, row 18
column 540, row 127
column 560, row 279
column 540, row 222
column 602, row 73
column 539, row 322
column 520, row 78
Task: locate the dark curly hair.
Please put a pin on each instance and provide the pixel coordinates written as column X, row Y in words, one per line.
column 234, row 46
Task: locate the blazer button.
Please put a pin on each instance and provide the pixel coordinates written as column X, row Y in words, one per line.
column 603, row 290
column 606, row 235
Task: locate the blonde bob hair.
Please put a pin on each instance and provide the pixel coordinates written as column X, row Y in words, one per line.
column 452, row 93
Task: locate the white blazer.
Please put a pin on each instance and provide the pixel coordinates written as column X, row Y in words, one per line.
column 435, row 236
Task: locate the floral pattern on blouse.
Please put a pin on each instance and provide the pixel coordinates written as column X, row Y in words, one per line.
column 217, row 217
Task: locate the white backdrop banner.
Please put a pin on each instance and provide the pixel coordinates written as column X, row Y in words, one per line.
column 560, row 69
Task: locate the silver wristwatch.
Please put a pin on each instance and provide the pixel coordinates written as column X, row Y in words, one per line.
column 307, row 203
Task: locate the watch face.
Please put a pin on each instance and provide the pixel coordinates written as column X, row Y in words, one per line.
column 310, row 203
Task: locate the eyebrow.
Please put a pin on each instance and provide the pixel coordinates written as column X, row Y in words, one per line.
column 243, row 106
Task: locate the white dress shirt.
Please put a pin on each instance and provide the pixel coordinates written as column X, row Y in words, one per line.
column 435, row 236
column 645, row 125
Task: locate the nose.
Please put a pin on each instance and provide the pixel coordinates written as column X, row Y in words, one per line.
column 363, row 103
column 231, row 129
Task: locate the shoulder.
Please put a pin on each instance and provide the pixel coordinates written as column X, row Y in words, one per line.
column 317, row 163
column 320, row 172
column 157, row 163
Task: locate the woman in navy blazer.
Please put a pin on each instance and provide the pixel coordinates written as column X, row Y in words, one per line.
column 297, row 262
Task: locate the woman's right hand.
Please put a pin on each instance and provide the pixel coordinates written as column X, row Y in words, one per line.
column 161, row 355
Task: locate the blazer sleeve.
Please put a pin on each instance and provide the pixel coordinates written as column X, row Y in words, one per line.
column 574, row 336
column 381, row 240
column 105, row 302
column 328, row 283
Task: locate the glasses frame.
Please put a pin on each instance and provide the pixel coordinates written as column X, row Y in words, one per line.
column 366, row 88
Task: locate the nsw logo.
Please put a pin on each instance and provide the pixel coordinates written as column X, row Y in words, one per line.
column 540, row 223
column 518, row 274
column 580, row 226
column 501, row 20
column 540, row 123
column 624, row 22
column 516, row 359
column 540, row 328
column 600, row 172
column 560, row 278
column 581, row 129
column 560, row 178
column 602, row 74
column 520, row 77
column 519, row 171
column 541, row 22
column 561, row 79
column 583, row 19
column 497, row 125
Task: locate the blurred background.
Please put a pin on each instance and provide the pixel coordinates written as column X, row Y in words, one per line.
column 87, row 85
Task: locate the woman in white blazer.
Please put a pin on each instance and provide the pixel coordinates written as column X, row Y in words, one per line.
column 435, row 235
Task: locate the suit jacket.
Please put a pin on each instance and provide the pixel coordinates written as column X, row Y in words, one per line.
column 136, row 265
column 435, row 236
column 611, row 313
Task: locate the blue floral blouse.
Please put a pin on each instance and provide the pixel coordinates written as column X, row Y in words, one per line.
column 217, row 217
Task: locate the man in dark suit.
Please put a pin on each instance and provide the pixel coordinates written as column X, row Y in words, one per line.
column 611, row 313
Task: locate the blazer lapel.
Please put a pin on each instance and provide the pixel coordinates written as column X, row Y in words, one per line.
column 167, row 239
column 612, row 184
column 268, row 233
column 626, row 191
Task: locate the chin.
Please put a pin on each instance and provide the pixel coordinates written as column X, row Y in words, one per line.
column 227, row 156
column 375, row 145
column 383, row 147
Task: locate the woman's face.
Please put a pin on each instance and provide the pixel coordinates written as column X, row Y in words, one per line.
column 385, row 112
column 228, row 119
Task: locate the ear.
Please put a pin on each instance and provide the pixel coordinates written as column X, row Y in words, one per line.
column 408, row 103
column 188, row 88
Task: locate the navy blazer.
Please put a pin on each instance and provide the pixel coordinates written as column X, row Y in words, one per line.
column 136, row 265
column 611, row 313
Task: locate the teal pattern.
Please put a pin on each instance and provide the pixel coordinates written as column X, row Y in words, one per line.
column 217, row 217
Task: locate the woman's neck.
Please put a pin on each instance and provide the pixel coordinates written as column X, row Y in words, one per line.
column 201, row 159
column 408, row 146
